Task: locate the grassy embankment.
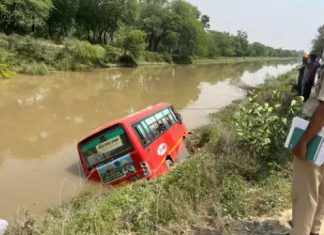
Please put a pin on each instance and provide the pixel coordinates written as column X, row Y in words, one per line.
column 25, row 54
column 228, row 60
column 224, row 179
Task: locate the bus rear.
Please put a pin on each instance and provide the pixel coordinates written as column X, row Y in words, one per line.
column 107, row 156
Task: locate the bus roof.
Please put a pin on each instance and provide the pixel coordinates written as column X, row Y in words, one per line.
column 134, row 117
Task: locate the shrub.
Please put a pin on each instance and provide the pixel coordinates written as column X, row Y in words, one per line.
column 112, row 54
column 34, row 68
column 5, row 67
column 150, row 56
column 234, row 196
column 128, row 60
column 167, row 57
column 28, row 48
column 182, row 59
column 262, row 127
column 84, row 52
column 132, row 41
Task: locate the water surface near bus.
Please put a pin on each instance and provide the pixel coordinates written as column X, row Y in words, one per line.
column 42, row 118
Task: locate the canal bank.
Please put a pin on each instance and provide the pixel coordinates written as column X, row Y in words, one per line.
column 217, row 184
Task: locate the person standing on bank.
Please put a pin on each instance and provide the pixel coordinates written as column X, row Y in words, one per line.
column 308, row 179
column 301, row 71
column 309, row 76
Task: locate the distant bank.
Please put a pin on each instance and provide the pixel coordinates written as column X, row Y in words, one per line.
column 29, row 55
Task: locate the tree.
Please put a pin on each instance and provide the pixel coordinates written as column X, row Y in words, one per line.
column 193, row 38
column 257, row 49
column 23, row 16
column 241, row 43
column 99, row 18
column 62, row 17
column 223, row 44
column 158, row 23
column 132, row 41
column 318, row 42
column 205, row 21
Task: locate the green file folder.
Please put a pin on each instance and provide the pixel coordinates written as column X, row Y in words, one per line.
column 312, row 147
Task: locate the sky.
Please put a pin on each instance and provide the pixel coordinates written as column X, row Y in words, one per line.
column 289, row 24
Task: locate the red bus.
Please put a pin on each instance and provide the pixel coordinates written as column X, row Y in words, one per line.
column 142, row 145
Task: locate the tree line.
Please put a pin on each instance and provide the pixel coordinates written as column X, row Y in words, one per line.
column 173, row 27
column 318, row 42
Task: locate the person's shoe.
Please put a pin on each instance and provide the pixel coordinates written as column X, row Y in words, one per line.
column 291, row 225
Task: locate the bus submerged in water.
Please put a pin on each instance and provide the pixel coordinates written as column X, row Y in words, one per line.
column 142, row 145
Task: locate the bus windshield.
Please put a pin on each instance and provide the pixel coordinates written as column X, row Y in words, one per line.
column 105, row 145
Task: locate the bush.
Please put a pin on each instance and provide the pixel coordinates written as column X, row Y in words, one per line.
column 5, row 70
column 262, row 127
column 112, row 54
column 182, row 59
column 128, row 60
column 234, row 196
column 34, row 68
column 132, row 41
column 150, row 56
column 84, row 52
column 28, row 48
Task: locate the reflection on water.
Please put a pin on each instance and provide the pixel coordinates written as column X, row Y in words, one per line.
column 43, row 117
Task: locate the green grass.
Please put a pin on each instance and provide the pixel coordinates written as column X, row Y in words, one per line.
column 220, row 182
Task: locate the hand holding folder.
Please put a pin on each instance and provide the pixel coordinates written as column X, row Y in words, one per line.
column 315, row 148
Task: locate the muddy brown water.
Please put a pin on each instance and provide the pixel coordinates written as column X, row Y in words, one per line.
column 43, row 117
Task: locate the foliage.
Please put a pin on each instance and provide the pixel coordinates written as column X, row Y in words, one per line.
column 172, row 28
column 28, row 48
column 34, row 68
column 83, row 52
column 128, row 60
column 192, row 36
column 263, row 126
column 150, row 56
column 225, row 44
column 5, row 69
column 318, row 42
column 61, row 17
column 132, row 41
column 23, row 16
column 101, row 19
column 112, row 54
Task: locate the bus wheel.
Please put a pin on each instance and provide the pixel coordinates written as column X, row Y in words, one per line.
column 169, row 163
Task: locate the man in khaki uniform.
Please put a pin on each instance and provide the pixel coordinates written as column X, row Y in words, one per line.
column 308, row 179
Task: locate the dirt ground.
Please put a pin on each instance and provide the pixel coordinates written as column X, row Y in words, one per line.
column 277, row 225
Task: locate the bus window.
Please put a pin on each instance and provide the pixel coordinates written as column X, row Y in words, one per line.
column 166, row 123
column 155, row 125
column 155, row 129
column 150, row 120
column 159, row 115
column 147, row 130
column 105, row 145
column 172, row 115
column 142, row 134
